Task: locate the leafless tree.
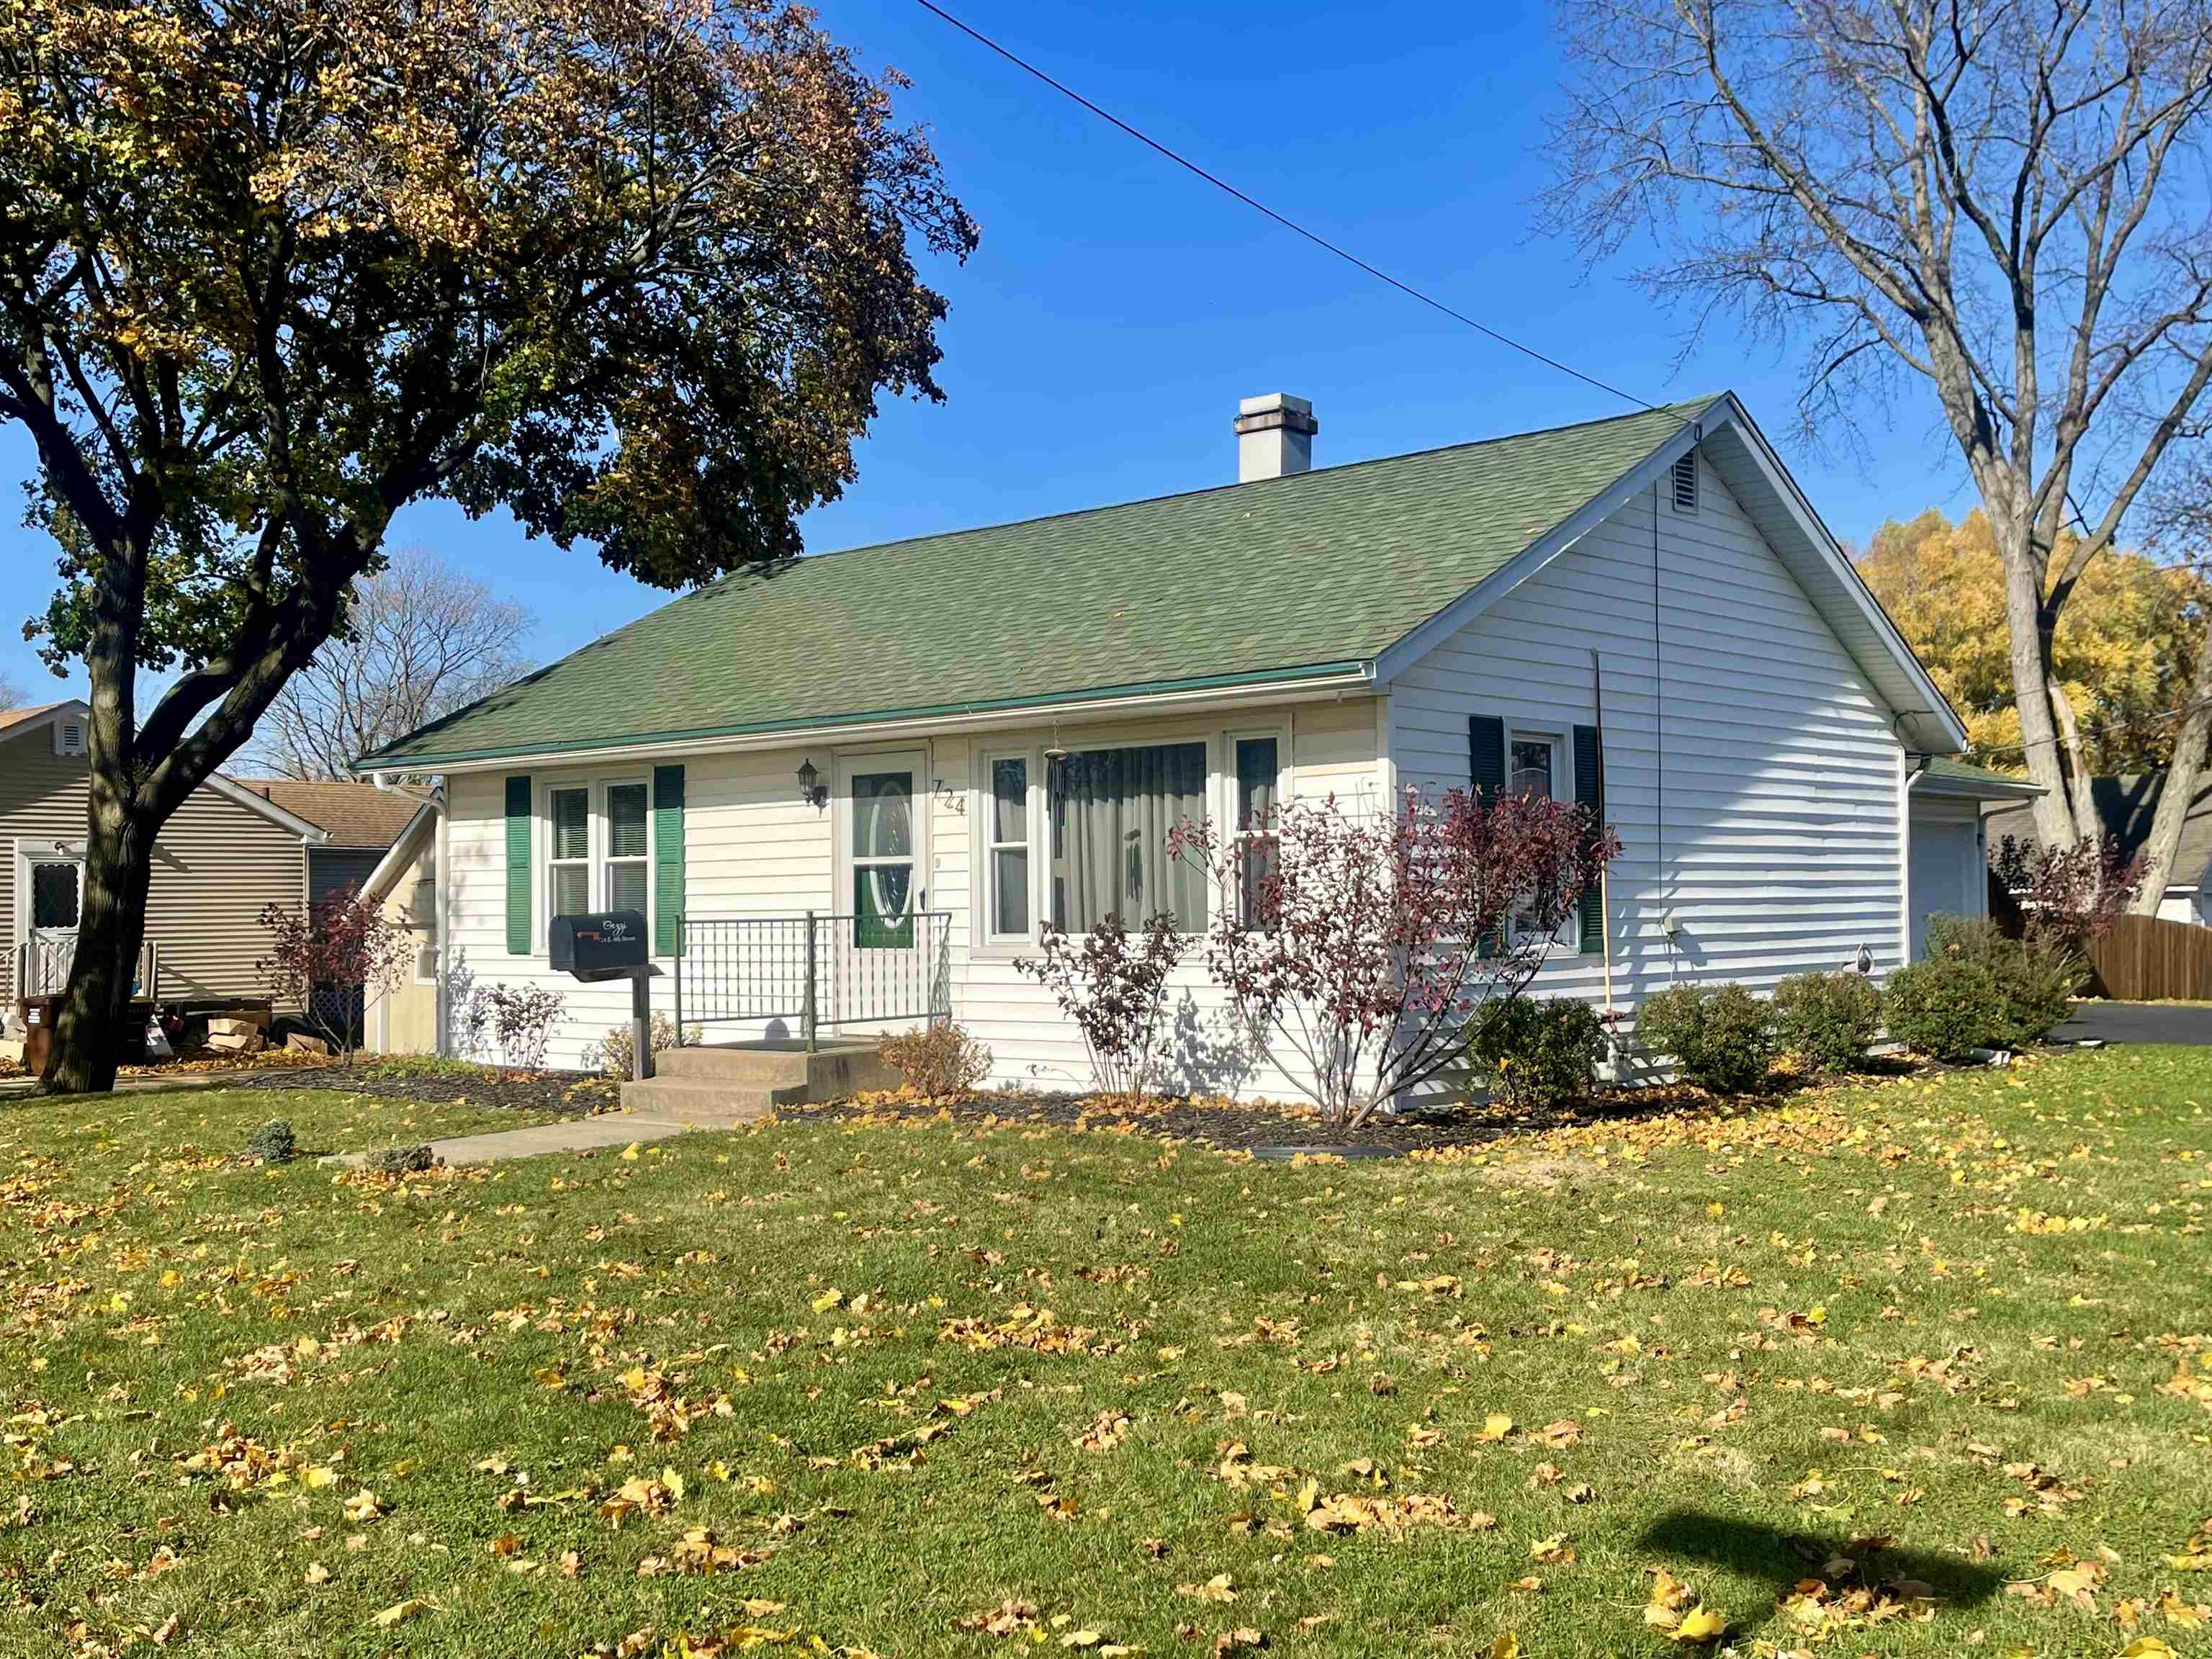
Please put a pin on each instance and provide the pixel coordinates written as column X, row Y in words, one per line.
column 11, row 694
column 423, row 639
column 2005, row 200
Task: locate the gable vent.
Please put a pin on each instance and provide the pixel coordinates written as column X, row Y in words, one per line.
column 69, row 738
column 1685, row 482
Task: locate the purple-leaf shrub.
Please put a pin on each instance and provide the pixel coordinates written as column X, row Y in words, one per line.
column 1356, row 948
column 1113, row 984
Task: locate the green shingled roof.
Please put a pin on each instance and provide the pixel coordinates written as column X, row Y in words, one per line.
column 1282, row 576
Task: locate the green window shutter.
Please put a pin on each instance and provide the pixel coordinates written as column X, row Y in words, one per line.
column 667, row 859
column 1486, row 755
column 1485, row 771
column 1589, row 792
column 518, row 865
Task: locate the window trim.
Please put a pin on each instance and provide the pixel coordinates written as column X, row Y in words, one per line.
column 1230, row 780
column 1220, row 802
column 595, row 786
column 548, row 864
column 1563, row 789
column 424, row 927
column 603, row 874
column 1033, row 808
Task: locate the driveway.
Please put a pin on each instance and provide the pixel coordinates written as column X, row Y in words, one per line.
column 2139, row 1022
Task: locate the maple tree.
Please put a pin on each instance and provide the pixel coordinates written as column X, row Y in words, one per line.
column 636, row 272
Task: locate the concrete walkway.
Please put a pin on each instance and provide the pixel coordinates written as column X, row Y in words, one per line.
column 578, row 1134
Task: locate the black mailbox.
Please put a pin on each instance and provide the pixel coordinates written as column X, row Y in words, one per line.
column 604, row 944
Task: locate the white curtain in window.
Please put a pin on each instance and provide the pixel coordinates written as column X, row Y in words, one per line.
column 1114, row 809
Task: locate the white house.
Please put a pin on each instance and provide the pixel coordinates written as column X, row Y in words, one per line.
column 998, row 724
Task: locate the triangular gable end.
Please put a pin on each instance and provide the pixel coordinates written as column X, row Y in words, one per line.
column 1742, row 458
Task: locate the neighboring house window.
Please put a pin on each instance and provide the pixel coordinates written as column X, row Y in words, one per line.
column 422, row 917
column 628, row 878
column 568, row 851
column 1006, row 846
column 1259, row 783
column 1109, row 813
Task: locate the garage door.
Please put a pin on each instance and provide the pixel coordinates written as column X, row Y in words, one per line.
column 1946, row 877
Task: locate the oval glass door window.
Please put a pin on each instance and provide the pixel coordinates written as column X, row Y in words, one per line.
column 883, row 859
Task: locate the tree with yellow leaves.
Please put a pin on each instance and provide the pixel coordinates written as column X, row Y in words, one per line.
column 636, row 271
column 2124, row 650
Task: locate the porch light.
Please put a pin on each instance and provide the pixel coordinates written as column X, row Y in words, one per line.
column 812, row 789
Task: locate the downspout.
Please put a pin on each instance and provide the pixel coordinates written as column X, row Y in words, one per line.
column 1605, row 870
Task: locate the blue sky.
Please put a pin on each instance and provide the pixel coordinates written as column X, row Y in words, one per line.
column 1118, row 308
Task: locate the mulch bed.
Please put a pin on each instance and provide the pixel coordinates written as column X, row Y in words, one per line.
column 1265, row 1129
column 577, row 1094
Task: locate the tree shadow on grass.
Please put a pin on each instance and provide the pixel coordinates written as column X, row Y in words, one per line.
column 1868, row 1572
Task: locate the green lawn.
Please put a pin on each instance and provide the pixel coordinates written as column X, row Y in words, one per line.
column 846, row 1387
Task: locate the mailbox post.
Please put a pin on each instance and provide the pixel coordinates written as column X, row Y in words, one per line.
column 604, row 944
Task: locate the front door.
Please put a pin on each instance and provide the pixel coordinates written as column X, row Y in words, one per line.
column 52, row 878
column 885, row 838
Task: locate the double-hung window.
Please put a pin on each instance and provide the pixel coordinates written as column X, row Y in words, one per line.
column 628, row 874
column 1108, row 813
column 598, row 847
column 569, row 850
column 1006, row 846
column 1258, row 791
column 1531, row 770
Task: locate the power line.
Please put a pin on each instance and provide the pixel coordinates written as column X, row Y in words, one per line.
column 1257, row 206
column 2159, row 718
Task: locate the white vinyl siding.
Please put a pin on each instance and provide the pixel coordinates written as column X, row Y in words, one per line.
column 1782, row 846
column 753, row 849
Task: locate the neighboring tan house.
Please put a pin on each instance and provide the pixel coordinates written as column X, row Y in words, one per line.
column 2127, row 804
column 363, row 821
column 224, row 856
column 936, row 745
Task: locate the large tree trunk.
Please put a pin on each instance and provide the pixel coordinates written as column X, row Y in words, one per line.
column 119, row 867
column 2041, row 741
column 2182, row 773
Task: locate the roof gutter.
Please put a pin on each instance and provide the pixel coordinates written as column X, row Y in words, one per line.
column 1262, row 685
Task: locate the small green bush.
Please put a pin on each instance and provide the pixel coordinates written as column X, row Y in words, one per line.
column 1944, row 1007
column 1827, row 1018
column 274, row 1142
column 1537, row 1053
column 2034, row 980
column 399, row 1160
column 1722, row 1036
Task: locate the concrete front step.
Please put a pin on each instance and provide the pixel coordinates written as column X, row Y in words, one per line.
column 739, row 1084
column 681, row 1100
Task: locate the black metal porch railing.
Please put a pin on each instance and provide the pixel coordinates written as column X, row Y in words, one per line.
column 812, row 969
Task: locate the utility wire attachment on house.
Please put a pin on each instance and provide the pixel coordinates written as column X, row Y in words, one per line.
column 1287, row 223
